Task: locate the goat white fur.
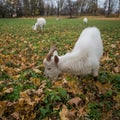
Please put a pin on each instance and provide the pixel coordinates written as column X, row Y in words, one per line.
column 83, row 59
column 41, row 22
column 85, row 20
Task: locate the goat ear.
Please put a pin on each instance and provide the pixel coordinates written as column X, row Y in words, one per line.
column 56, row 59
column 55, row 53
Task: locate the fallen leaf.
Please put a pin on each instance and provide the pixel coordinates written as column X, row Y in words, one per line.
column 71, row 114
column 63, row 113
column 37, row 99
column 117, row 99
column 35, row 81
column 9, row 90
column 103, row 88
column 113, row 45
column 1, row 82
column 43, row 85
column 39, row 91
column 3, row 107
column 37, row 70
column 75, row 101
column 116, row 69
column 82, row 112
column 15, row 115
column 73, row 87
column 25, row 98
column 10, row 104
column 106, row 58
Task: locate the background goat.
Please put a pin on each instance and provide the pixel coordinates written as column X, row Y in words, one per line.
column 85, row 20
column 41, row 22
column 83, row 59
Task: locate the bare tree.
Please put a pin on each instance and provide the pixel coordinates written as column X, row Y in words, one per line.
column 49, row 7
column 26, row 7
column 91, row 7
column 58, row 7
column 70, row 7
column 109, row 6
column 2, row 9
column 10, row 8
column 40, row 6
column 119, row 9
column 95, row 7
column 33, row 7
column 81, row 6
column 60, row 4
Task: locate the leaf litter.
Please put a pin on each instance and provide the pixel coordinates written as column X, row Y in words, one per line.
column 25, row 94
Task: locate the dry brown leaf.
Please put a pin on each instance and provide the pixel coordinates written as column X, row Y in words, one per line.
column 75, row 101
column 32, row 116
column 39, row 91
column 113, row 46
column 37, row 70
column 37, row 99
column 1, row 82
column 15, row 115
column 103, row 88
column 57, row 107
column 3, row 105
column 82, row 111
column 116, row 69
column 9, row 90
column 25, row 98
column 15, row 77
column 106, row 57
column 10, row 104
column 65, row 83
column 63, row 113
column 43, row 85
column 35, row 81
column 108, row 115
column 73, row 87
column 21, row 102
column 57, row 83
column 117, row 99
column 71, row 114
column 24, row 105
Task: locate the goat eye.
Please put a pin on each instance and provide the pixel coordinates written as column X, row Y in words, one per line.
column 49, row 68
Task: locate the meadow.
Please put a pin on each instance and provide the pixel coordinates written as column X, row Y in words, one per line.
column 26, row 94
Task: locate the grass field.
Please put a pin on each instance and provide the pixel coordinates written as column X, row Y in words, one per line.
column 25, row 94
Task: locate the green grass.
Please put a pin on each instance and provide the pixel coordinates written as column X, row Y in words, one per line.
column 22, row 50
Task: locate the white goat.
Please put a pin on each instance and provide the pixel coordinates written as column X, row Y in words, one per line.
column 83, row 59
column 85, row 20
column 41, row 22
column 57, row 18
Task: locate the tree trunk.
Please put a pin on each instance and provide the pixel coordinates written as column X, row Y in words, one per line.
column 119, row 9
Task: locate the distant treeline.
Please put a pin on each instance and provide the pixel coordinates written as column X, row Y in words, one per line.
column 72, row 8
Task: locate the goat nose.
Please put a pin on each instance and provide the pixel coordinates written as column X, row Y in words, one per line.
column 45, row 74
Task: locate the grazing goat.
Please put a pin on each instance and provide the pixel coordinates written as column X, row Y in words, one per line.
column 41, row 22
column 85, row 20
column 83, row 59
column 57, row 18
